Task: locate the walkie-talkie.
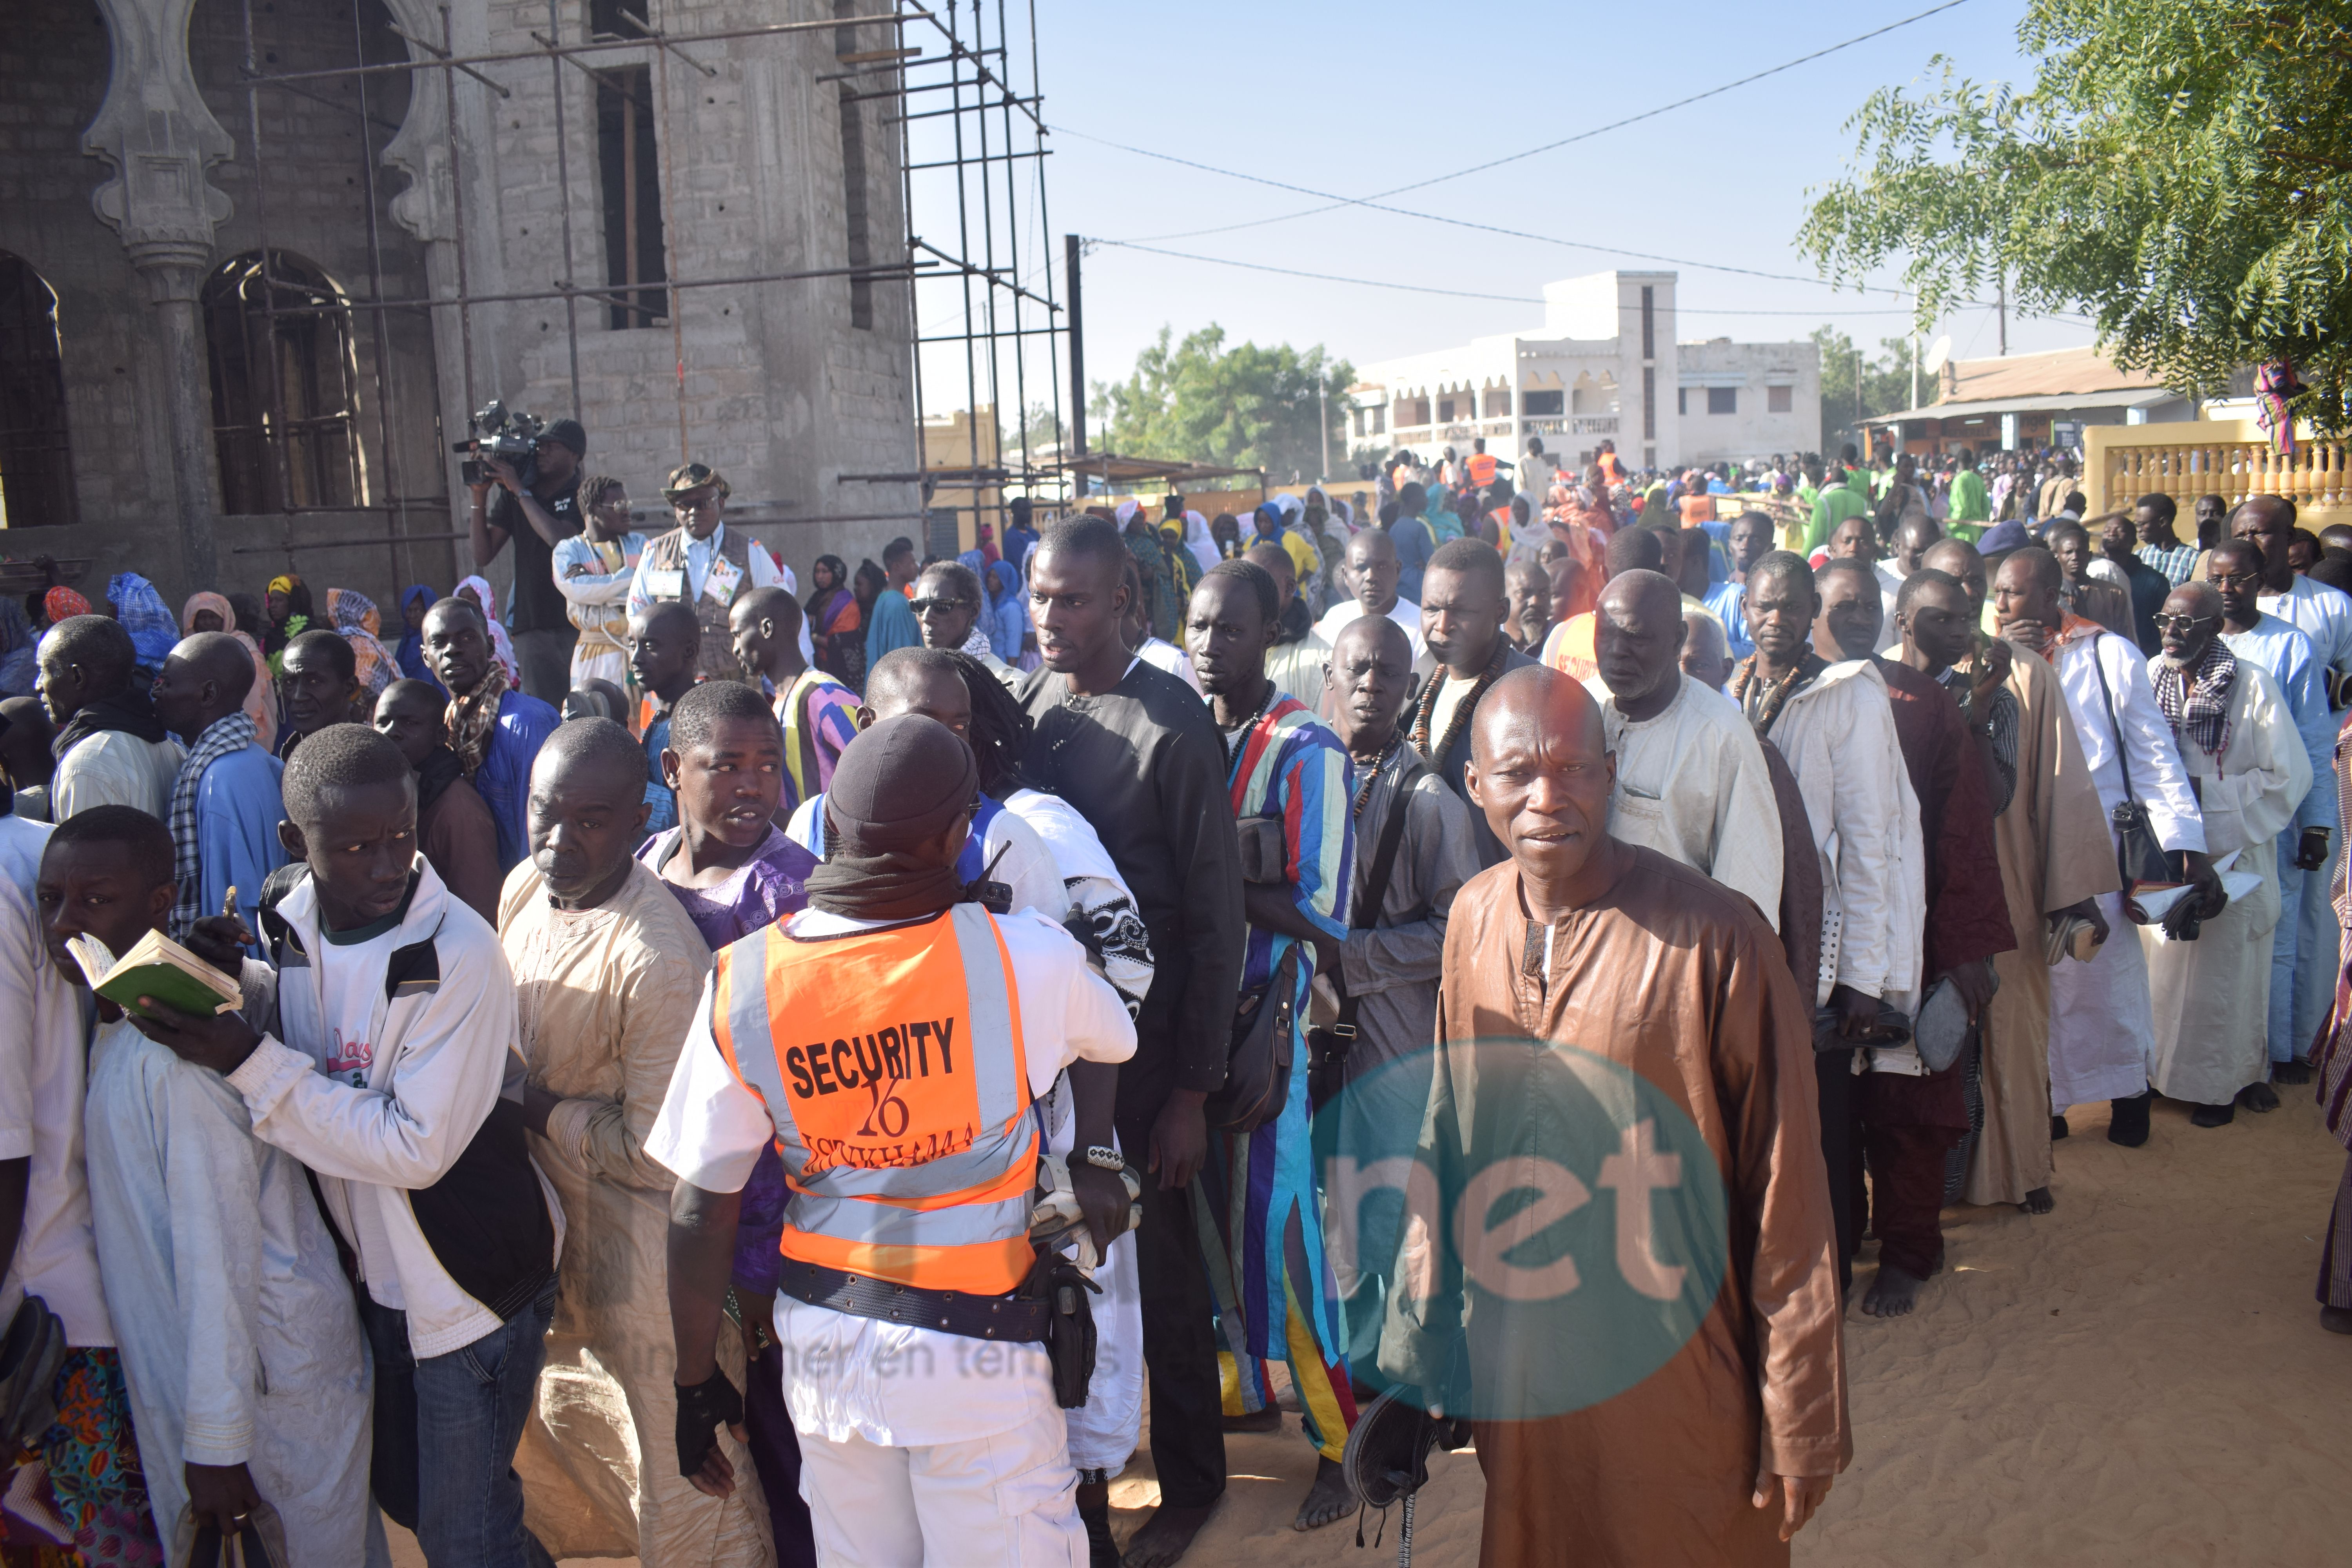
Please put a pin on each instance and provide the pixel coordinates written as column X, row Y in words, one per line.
column 994, row 896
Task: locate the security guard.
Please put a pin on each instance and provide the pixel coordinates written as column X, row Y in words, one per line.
column 890, row 1040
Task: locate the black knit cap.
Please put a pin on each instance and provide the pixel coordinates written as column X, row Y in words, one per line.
column 900, row 783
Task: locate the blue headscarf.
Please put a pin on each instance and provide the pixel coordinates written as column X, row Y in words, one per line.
column 19, row 666
column 410, row 655
column 155, row 630
column 1006, row 618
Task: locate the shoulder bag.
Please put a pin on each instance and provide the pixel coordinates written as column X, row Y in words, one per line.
column 2138, row 856
column 1328, row 1048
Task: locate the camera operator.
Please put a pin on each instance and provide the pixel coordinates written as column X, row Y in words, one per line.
column 535, row 508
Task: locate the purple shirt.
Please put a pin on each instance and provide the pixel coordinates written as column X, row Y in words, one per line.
column 764, row 890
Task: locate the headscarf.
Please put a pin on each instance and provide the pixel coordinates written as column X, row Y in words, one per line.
column 62, row 602
column 501, row 646
column 410, row 654
column 2196, row 698
column 1008, row 614
column 988, row 552
column 261, row 700
column 1200, row 540
column 141, row 611
column 20, row 666
column 297, row 619
column 354, row 615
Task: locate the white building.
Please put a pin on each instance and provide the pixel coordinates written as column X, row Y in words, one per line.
column 1605, row 364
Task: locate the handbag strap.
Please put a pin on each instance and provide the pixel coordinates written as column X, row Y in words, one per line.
column 1376, row 891
column 2122, row 763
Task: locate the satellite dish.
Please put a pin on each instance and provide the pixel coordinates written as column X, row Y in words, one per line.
column 1938, row 352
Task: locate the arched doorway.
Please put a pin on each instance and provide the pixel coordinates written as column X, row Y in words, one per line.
column 284, row 423
column 36, row 488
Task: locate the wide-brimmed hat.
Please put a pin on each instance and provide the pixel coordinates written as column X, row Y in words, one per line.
column 688, row 477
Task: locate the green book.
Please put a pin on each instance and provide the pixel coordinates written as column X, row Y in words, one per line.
column 158, row 967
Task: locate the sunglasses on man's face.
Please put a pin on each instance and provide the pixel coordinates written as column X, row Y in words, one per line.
column 2179, row 623
column 924, row 606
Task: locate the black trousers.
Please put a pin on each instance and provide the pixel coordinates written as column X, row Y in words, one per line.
column 1833, row 1076
column 1180, row 1347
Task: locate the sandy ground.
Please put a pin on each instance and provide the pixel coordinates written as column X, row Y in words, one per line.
column 2138, row 1377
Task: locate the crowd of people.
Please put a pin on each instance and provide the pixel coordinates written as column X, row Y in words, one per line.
column 724, row 1075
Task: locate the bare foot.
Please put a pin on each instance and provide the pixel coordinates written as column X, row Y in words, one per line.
column 1266, row 1420
column 2295, row 1071
column 2335, row 1320
column 2039, row 1201
column 2214, row 1115
column 2259, row 1097
column 1329, row 1500
column 1166, row 1536
column 1894, row 1293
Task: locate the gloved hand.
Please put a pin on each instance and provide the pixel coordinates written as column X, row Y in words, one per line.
column 700, row 1411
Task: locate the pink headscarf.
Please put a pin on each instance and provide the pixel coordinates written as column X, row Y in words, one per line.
column 261, row 700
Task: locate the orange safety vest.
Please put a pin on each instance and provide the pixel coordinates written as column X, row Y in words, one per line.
column 891, row 1063
column 1482, row 469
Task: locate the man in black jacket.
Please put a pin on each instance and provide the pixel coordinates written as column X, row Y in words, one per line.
column 1462, row 605
column 1137, row 754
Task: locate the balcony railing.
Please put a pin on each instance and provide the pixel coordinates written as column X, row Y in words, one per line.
column 2228, row 458
column 1596, row 425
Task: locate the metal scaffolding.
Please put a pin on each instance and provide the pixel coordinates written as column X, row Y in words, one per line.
column 1006, row 321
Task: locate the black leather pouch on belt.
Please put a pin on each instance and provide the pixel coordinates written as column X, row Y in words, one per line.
column 1064, row 1286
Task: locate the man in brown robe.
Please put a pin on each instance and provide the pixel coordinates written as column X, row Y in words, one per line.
column 2050, row 835
column 1722, row 1454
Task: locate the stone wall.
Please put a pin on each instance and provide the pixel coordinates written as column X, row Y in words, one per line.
column 779, row 391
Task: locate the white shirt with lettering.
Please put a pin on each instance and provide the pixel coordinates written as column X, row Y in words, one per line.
column 891, row 1383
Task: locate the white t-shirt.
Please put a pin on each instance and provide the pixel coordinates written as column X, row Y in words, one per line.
column 891, row 1383
column 1404, row 613
column 41, row 1076
column 1027, row 867
column 350, row 987
column 1167, row 656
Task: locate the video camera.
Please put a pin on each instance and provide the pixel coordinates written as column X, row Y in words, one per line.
column 509, row 437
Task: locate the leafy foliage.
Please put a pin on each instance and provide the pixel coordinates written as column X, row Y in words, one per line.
column 2180, row 170
column 1200, row 402
column 1886, row 382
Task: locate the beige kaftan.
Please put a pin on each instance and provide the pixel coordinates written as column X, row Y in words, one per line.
column 605, row 997
column 2054, row 852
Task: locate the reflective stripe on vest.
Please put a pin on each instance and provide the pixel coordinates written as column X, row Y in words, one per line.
column 900, row 1121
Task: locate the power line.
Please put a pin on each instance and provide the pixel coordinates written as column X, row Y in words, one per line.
column 1334, row 203
column 1317, row 276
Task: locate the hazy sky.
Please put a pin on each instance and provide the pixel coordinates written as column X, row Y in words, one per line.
column 1356, row 99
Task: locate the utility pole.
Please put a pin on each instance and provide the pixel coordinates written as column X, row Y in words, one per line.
column 1072, row 249
column 1323, row 424
column 2000, row 303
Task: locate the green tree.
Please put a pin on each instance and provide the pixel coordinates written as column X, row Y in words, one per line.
column 1246, row 408
column 1886, row 385
column 2179, row 170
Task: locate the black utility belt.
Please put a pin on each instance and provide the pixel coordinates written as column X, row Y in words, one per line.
column 1016, row 1318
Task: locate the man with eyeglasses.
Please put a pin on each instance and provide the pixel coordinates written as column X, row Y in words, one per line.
column 2250, row 771
column 701, row 565
column 2237, row 572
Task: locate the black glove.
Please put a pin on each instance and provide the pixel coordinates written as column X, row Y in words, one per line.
column 702, row 1409
column 2311, row 851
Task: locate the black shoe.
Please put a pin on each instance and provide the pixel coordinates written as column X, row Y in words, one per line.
column 2058, row 1129
column 1102, row 1552
column 2212, row 1115
column 2128, row 1124
column 2295, row 1071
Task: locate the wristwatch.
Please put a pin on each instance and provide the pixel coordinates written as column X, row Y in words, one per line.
column 1104, row 1159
